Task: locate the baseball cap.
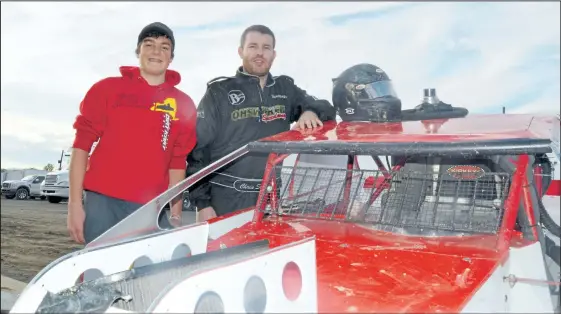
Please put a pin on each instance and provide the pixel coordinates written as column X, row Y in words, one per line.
column 157, row 27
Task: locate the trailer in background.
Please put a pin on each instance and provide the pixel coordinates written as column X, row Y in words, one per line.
column 18, row 174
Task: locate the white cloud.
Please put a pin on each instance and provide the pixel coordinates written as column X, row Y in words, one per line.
column 35, row 130
column 478, row 55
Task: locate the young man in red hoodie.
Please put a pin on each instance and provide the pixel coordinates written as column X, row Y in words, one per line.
column 145, row 127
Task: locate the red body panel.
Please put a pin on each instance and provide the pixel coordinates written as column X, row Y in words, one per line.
column 554, row 188
column 364, row 270
column 360, row 269
column 468, row 129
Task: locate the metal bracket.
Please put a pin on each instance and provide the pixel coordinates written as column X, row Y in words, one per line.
column 512, row 280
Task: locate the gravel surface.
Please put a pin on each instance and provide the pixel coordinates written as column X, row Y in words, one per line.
column 34, row 234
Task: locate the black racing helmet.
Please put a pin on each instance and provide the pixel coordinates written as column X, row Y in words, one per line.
column 364, row 92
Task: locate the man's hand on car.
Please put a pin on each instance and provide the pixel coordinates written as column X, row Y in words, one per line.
column 308, row 119
column 206, row 214
column 75, row 221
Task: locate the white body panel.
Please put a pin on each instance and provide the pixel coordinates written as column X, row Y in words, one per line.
column 553, row 206
column 221, row 227
column 492, row 295
column 229, row 283
column 528, row 297
column 498, row 295
column 522, row 297
column 64, row 272
column 556, row 139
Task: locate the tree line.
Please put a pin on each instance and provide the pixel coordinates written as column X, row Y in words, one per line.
column 48, row 167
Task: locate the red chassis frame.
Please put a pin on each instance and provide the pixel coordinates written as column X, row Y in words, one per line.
column 519, row 191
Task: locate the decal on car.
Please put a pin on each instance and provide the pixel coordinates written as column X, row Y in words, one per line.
column 466, row 172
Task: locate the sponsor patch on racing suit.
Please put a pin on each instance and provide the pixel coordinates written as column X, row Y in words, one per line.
column 233, row 112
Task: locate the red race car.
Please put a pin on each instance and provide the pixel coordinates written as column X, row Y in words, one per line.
column 434, row 216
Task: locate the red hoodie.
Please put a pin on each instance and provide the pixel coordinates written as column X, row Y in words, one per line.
column 143, row 131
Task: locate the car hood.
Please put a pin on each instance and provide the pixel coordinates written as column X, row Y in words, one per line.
column 365, row 270
column 16, row 181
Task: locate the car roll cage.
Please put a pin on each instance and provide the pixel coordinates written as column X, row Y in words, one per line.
column 144, row 221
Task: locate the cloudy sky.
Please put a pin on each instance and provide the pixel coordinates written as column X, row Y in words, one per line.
column 477, row 55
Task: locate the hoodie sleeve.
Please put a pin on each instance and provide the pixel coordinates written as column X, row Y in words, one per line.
column 305, row 102
column 207, row 128
column 187, row 137
column 90, row 122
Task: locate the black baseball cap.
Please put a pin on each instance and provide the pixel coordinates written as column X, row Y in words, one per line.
column 159, row 28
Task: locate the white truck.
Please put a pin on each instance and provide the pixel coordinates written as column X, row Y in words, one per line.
column 27, row 187
column 56, row 187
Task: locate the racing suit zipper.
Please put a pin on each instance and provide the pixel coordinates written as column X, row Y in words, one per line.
column 261, row 100
column 265, row 93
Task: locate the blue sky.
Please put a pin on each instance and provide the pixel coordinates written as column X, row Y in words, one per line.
column 477, row 55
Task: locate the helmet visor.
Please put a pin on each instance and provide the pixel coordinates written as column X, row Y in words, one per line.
column 375, row 90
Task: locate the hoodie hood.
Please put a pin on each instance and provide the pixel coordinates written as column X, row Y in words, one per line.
column 172, row 77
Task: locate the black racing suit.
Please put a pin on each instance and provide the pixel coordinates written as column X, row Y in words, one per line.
column 233, row 112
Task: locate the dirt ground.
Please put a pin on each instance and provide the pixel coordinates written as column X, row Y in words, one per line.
column 33, row 235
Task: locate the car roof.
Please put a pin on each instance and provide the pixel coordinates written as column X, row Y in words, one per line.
column 496, row 133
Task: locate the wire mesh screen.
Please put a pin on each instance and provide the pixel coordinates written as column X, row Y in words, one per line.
column 435, row 200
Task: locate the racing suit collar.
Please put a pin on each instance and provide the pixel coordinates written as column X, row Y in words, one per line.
column 242, row 73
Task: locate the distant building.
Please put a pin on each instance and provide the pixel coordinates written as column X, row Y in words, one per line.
column 18, row 174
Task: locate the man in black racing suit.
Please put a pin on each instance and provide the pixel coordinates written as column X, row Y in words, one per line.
column 237, row 110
